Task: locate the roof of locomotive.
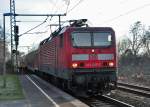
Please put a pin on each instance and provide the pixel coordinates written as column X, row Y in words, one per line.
column 68, row 28
column 86, row 28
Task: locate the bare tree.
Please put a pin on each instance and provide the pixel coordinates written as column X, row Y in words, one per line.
column 146, row 42
column 123, row 46
column 137, row 33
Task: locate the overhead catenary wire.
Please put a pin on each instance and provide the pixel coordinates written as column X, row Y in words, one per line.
column 80, row 1
column 37, row 32
column 34, row 27
column 30, row 21
column 69, row 10
column 126, row 13
column 54, row 6
column 68, row 3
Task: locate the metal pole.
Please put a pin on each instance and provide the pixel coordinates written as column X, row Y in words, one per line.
column 39, row 14
column 11, row 35
column 4, row 54
column 14, row 17
column 59, row 23
column 12, row 24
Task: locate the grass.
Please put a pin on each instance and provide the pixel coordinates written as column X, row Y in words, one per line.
column 13, row 89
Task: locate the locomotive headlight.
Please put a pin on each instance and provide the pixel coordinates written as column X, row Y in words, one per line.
column 74, row 65
column 111, row 64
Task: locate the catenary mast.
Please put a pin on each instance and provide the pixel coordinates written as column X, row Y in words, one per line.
column 12, row 32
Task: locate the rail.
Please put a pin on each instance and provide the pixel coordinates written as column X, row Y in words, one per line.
column 144, row 91
column 103, row 101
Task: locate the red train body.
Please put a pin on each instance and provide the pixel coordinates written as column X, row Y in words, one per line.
column 81, row 58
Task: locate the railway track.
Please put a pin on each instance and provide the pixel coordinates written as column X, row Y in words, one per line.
column 139, row 90
column 100, row 101
column 104, row 101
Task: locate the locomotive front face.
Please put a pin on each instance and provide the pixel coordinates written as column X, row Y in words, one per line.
column 93, row 56
column 93, row 49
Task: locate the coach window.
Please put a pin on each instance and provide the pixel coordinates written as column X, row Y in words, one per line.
column 61, row 40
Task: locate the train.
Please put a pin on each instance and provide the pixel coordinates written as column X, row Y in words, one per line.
column 78, row 57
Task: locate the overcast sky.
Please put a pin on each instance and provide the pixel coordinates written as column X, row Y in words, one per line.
column 118, row 14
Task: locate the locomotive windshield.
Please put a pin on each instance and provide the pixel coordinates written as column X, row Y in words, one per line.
column 81, row 39
column 91, row 39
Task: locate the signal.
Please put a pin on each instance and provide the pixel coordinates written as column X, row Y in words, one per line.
column 16, row 31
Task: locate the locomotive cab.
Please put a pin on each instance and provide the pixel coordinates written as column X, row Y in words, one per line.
column 93, row 58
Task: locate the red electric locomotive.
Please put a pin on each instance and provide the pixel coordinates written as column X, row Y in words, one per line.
column 80, row 58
